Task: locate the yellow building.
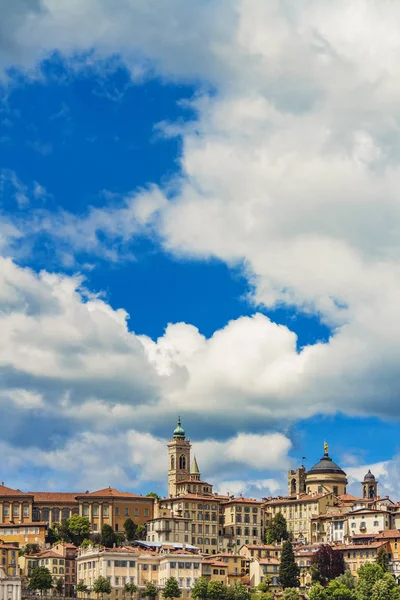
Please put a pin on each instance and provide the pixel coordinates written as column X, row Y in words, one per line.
column 235, row 566
column 15, row 506
column 264, row 570
column 114, row 508
column 215, row 570
column 250, row 551
column 9, row 559
column 54, row 507
column 243, row 522
column 356, row 555
column 54, row 562
column 299, row 510
column 23, row 533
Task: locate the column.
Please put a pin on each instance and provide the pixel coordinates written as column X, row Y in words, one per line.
column 80, row 509
column 50, row 517
column 1, row 513
column 91, row 515
column 100, row 516
column 21, row 513
column 10, row 511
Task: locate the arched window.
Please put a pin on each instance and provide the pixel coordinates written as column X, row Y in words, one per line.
column 45, row 514
column 293, row 486
column 172, row 462
column 182, row 462
column 54, row 569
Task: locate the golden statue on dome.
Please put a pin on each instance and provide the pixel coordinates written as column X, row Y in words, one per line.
column 326, row 448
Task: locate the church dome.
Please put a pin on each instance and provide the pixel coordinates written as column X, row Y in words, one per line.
column 369, row 477
column 179, row 432
column 326, row 466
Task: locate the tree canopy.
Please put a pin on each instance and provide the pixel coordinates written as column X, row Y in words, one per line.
column 102, row 586
column 200, row 589
column 150, row 590
column 40, row 579
column 288, row 569
column 277, row 529
column 172, row 589
column 108, row 537
column 327, row 564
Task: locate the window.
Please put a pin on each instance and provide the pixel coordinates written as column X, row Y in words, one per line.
column 95, row 511
column 132, row 563
column 26, row 511
column 173, row 565
column 182, row 462
column 136, row 512
column 188, row 565
column 127, row 512
column 105, row 511
column 6, row 510
column 376, row 523
column 146, row 512
column 85, row 511
column 117, row 581
column 172, row 463
column 320, row 489
column 117, row 512
column 181, row 565
column 15, row 510
column 215, row 571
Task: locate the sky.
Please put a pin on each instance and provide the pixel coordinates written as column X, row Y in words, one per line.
column 200, row 218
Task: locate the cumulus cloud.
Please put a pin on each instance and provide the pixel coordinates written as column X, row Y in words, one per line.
column 137, row 461
column 290, row 169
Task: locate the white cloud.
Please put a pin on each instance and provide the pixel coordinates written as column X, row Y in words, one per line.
column 137, row 461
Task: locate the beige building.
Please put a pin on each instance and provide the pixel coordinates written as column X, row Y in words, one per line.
column 356, row 555
column 299, row 511
column 235, row 566
column 137, row 565
column 243, row 522
column 264, row 570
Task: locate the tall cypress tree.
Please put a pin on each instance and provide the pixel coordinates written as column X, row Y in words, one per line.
column 288, row 569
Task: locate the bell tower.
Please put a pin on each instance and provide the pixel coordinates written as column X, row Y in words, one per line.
column 369, row 487
column 178, row 459
column 297, row 481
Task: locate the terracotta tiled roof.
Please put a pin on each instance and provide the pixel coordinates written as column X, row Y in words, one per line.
column 48, row 554
column 347, row 547
column 243, row 501
column 262, row 547
column 58, row 497
column 389, row 533
column 6, row 491
column 217, row 563
column 112, row 493
column 348, row 498
column 190, row 496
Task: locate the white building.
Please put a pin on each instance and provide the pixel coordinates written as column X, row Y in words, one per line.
column 139, row 565
column 10, row 587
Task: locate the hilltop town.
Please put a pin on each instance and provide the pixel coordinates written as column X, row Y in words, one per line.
column 193, row 534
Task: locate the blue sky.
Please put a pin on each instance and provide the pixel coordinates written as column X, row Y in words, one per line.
column 190, row 227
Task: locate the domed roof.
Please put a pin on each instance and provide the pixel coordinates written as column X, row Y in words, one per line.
column 369, row 476
column 326, row 465
column 179, row 432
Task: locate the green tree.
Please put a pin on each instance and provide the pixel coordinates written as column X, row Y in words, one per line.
column 385, row 588
column 32, row 548
column 200, row 589
column 151, row 590
column 317, row 592
column 40, row 579
column 216, row 590
column 52, row 536
column 130, row 588
column 172, row 589
column 101, row 586
column 78, row 528
column 288, row 569
column 130, row 529
column 277, row 530
column 240, row 591
column 120, row 538
column 229, row 592
column 81, row 587
column 382, row 559
column 153, row 495
column 62, row 531
column 368, row 575
column 60, row 585
column 141, row 532
column 290, row 594
column 347, row 579
column 263, row 587
column 339, row 591
column 86, row 543
column 108, row 538
column 265, row 596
